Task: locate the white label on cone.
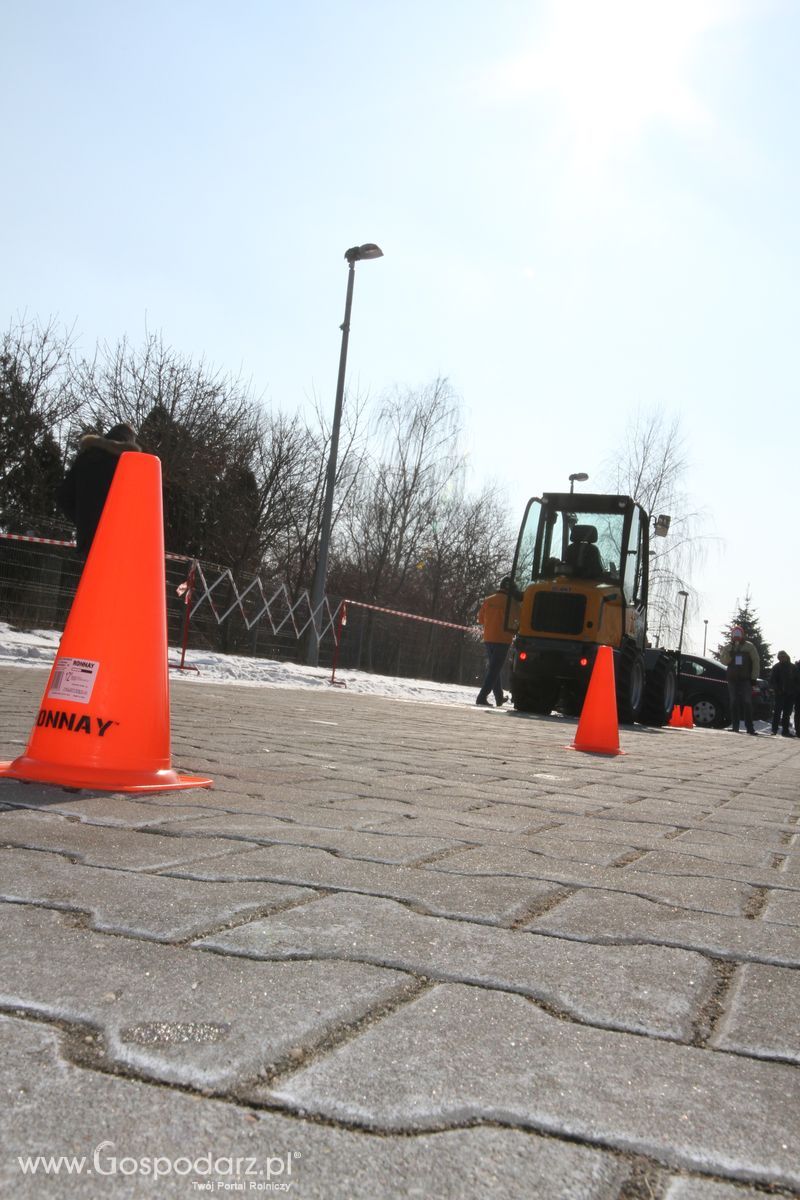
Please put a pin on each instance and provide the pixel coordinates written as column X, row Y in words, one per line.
column 73, row 679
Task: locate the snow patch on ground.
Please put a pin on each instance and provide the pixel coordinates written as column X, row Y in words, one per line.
column 38, row 648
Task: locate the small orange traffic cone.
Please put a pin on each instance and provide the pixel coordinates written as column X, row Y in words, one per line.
column 598, row 728
column 103, row 722
column 676, row 719
column 686, row 717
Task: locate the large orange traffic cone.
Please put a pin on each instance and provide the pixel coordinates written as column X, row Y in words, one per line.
column 598, row 728
column 103, row 722
column 676, row 718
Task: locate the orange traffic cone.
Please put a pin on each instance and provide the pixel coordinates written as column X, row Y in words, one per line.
column 598, row 728
column 676, row 719
column 686, row 717
column 103, row 722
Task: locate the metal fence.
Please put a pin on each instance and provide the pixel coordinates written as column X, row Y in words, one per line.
column 208, row 609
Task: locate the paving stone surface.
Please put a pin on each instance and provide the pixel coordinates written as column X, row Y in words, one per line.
column 691, row 892
column 131, row 902
column 706, row 1189
column 109, row 1121
column 102, row 845
column 431, row 952
column 508, row 1061
column 496, row 901
column 375, row 846
column 184, row 1016
column 642, row 988
column 608, row 916
column 763, row 1013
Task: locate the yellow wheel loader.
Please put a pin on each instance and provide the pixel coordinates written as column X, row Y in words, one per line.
column 581, row 568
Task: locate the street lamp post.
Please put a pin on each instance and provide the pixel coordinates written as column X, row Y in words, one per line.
column 353, row 255
column 680, row 638
column 705, row 636
column 578, row 477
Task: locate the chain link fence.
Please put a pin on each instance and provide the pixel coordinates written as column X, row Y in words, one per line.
column 208, row 609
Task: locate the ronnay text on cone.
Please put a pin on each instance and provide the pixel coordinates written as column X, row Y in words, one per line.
column 104, row 719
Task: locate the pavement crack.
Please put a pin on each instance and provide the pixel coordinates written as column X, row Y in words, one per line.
column 343, row 1032
column 645, row 1182
column 626, row 859
column 439, row 855
column 538, row 908
column 713, row 1008
column 756, row 902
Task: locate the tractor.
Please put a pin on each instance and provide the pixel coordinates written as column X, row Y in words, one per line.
column 580, row 574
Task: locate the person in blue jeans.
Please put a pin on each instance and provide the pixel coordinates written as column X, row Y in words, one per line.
column 496, row 639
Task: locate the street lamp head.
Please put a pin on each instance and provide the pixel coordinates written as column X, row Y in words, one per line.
column 683, row 593
column 578, row 477
column 368, row 250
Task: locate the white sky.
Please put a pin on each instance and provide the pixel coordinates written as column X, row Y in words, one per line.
column 585, row 206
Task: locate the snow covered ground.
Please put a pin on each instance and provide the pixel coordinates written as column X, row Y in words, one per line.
column 37, row 648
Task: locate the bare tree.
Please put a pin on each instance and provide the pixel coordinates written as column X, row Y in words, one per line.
column 651, row 467
column 394, row 502
column 207, row 429
column 469, row 546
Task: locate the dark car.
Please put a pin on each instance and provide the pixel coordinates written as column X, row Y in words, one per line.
column 702, row 683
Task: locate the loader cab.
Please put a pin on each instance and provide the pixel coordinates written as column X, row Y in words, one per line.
column 589, row 539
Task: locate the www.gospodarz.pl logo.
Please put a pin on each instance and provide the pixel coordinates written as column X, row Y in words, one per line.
column 206, row 1172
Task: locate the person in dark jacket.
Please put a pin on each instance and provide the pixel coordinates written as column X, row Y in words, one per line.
column 82, row 494
column 797, row 698
column 781, row 680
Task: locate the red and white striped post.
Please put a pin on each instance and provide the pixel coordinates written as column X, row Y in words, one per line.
column 339, row 626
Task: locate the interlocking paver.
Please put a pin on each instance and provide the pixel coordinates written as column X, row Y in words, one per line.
column 660, row 863
column 762, row 1013
column 783, row 906
column 375, row 846
column 707, row 1189
column 156, row 906
column 696, row 892
column 601, row 853
column 640, row 988
column 605, row 916
column 181, row 1015
column 496, row 901
column 128, row 1119
column 508, row 1061
column 104, row 845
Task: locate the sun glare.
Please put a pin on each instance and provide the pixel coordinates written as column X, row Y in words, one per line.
column 615, row 68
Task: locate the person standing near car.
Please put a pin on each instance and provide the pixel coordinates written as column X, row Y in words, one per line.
column 782, row 682
column 496, row 638
column 741, row 659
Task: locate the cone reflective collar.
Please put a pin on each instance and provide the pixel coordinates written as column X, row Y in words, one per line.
column 104, row 722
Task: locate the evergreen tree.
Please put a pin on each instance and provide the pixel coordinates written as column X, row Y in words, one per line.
column 30, row 462
column 746, row 616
